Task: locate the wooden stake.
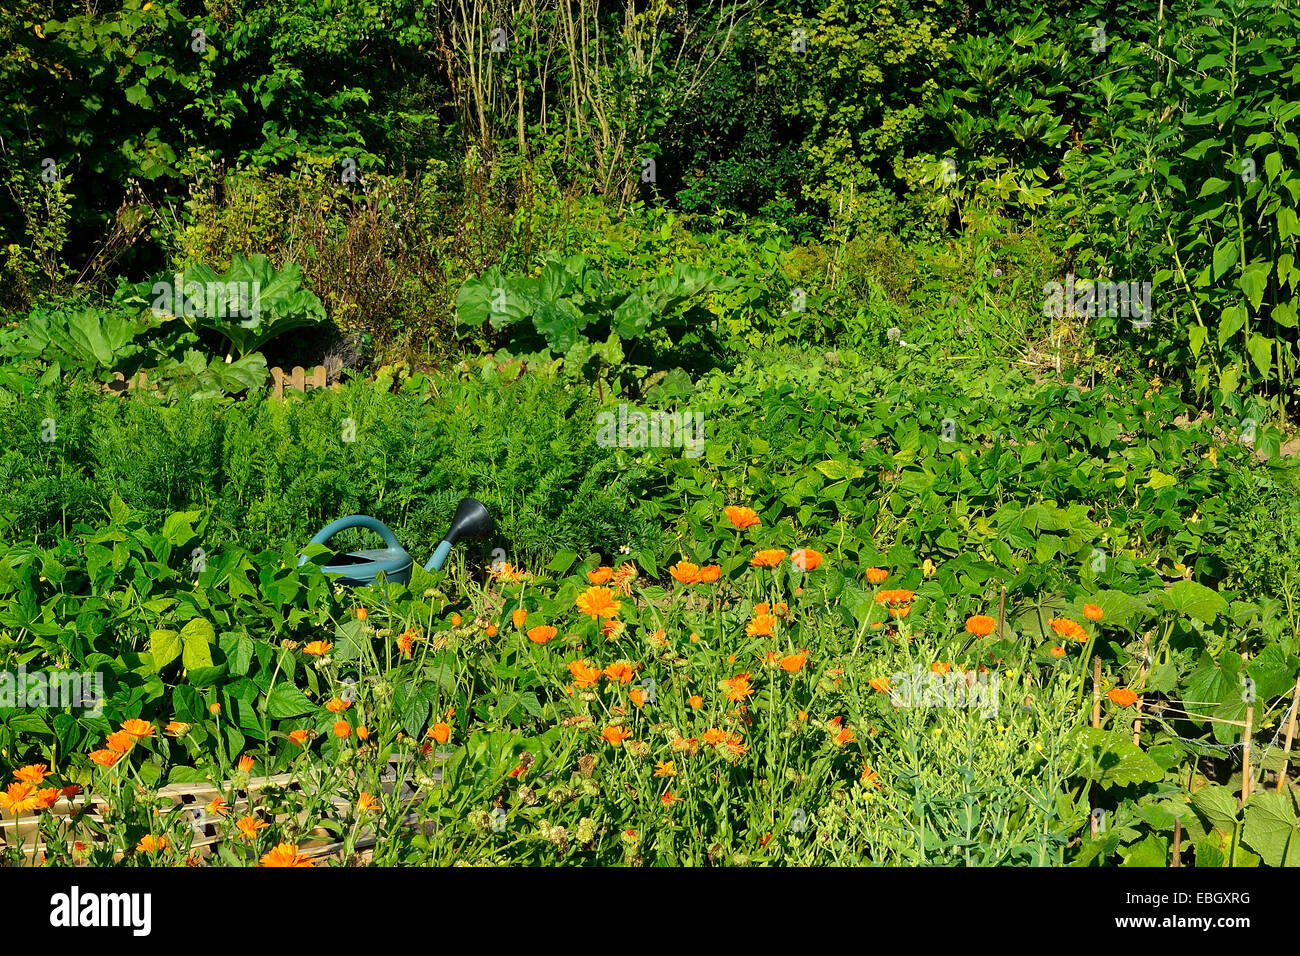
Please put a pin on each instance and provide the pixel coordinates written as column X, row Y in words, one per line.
column 1002, row 607
column 1141, row 682
column 1290, row 736
column 1178, row 842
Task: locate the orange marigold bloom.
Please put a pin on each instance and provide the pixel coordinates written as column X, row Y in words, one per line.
column 105, row 758
column 70, row 791
column 710, row 573
column 806, row 559
column 175, row 728
column 880, row 684
column 1122, row 696
column 600, row 575
column 598, row 602
column 1057, row 651
column 45, row 798
column 665, row 768
column 318, row 648
column 939, row 667
column 696, row 701
column 793, row 663
column 455, row 620
column 981, row 625
column 214, row 708
column 362, row 614
column 519, row 615
column 637, row 696
column 713, row 736
column 899, row 611
column 363, row 732
column 342, row 729
column 405, row 643
column 584, row 675
column 768, row 558
column 761, row 625
column 337, row 705
column 441, row 732
column 685, row 572
column 845, row 736
column 876, row 575
column 298, row 736
column 490, row 630
column 217, row 807
column 32, row 773
column 737, row 688
column 249, row 826
column 120, row 741
column 1069, row 629
column 742, row 518
column 286, row 854
column 870, row 778
column 541, row 633
column 668, row 799
column 620, row 672
column 615, row 734
column 246, row 763
column 366, row 803
column 151, row 844
column 1092, row 612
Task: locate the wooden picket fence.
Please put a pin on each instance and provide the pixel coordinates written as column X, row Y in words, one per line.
column 297, row 379
column 190, row 799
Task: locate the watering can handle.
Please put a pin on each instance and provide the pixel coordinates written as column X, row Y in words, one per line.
column 355, row 521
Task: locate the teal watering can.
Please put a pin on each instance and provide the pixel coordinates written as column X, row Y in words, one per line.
column 363, row 567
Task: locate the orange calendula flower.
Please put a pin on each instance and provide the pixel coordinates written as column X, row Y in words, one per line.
column 45, row 798
column 175, row 728
column 245, row 763
column 363, row 732
column 139, row 729
column 214, row 708
column 366, row 803
column 615, row 734
column 441, row 732
column 761, row 626
column 519, row 615
column 767, row 558
column 668, row 799
column 299, row 736
column 710, row 573
column 870, row 778
column 741, row 518
column 624, row 575
column 637, row 696
column 541, row 633
column 32, row 773
column 880, row 684
column 665, row 768
column 217, row 807
column 318, row 648
column 981, row 625
column 896, row 596
column 18, row 798
column 1069, row 629
column 1122, row 696
column 598, row 602
column 105, row 758
column 362, row 614
column 696, row 701
column 620, row 672
column 940, row 667
column 151, row 844
column 736, row 688
column 713, row 736
column 405, row 642
column 342, row 729
column 490, row 630
column 877, row 575
column 806, row 559
column 286, row 854
column 1057, row 651
column 120, row 741
column 249, row 826
column 844, row 736
column 685, row 572
column 70, row 791
column 600, row 575
column 584, row 675
column 1092, row 612
column 899, row 611
column 455, row 620
column 337, row 705
column 793, row 663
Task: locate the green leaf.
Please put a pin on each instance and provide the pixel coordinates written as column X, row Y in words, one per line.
column 1225, row 256
column 836, row 469
column 1272, row 828
column 164, row 647
column 1260, row 348
column 286, row 701
column 1112, row 759
column 1194, row 600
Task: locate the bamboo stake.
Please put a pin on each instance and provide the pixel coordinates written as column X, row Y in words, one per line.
column 1141, row 682
column 1290, row 736
column 1178, row 842
column 1002, row 608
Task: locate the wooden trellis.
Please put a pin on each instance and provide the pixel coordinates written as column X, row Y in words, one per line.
column 297, row 379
